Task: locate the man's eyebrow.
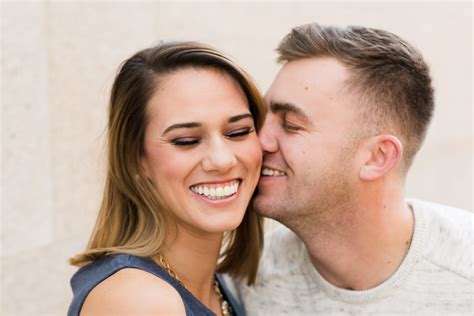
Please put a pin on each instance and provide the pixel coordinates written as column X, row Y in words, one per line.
column 182, row 125
column 285, row 107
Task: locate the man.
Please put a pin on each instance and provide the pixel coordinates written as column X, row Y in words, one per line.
column 346, row 115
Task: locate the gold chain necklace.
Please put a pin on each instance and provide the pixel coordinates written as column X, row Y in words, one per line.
column 225, row 307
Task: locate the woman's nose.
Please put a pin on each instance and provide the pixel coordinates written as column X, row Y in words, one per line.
column 220, row 157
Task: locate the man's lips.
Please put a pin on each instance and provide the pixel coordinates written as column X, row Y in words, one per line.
column 272, row 172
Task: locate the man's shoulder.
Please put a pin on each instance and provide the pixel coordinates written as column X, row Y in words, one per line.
column 283, row 251
column 280, row 239
column 442, row 220
column 449, row 236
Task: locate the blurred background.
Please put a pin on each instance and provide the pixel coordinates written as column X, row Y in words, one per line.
column 58, row 61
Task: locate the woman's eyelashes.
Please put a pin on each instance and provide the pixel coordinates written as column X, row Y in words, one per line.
column 240, row 133
column 237, row 134
column 185, row 141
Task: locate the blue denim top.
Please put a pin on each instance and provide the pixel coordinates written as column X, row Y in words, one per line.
column 89, row 276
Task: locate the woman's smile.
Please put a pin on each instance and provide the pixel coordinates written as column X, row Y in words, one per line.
column 201, row 149
column 221, row 190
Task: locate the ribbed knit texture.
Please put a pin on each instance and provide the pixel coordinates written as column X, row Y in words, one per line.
column 435, row 277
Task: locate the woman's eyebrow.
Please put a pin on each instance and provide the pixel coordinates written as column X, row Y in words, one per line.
column 236, row 118
column 182, row 125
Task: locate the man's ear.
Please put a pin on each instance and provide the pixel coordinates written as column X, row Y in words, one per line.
column 383, row 154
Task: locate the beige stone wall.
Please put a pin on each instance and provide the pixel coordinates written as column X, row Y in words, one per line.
column 58, row 62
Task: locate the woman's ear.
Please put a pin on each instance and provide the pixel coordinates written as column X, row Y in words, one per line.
column 144, row 166
column 383, row 154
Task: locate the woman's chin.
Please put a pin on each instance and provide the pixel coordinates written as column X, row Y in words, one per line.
column 224, row 224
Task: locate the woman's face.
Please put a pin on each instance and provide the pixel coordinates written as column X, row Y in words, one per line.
column 201, row 149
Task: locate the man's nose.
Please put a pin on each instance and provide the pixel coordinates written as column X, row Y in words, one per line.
column 220, row 156
column 267, row 137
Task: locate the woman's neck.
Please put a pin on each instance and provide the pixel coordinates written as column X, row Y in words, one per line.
column 193, row 258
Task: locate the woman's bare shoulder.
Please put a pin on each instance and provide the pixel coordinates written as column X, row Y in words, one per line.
column 133, row 292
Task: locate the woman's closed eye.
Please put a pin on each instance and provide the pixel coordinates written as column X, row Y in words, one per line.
column 192, row 141
column 240, row 133
column 186, row 141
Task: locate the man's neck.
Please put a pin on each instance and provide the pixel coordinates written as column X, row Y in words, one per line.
column 364, row 249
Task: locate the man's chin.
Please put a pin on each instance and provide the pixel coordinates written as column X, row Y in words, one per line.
column 264, row 205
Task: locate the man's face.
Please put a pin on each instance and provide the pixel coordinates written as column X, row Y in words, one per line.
column 308, row 142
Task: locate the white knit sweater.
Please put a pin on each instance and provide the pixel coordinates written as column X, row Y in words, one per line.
column 435, row 278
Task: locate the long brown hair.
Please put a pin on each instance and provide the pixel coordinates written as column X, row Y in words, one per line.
column 130, row 218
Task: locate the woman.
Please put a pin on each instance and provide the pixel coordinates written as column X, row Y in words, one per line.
column 183, row 162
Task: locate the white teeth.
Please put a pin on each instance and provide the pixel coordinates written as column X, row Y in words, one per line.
column 272, row 172
column 217, row 191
